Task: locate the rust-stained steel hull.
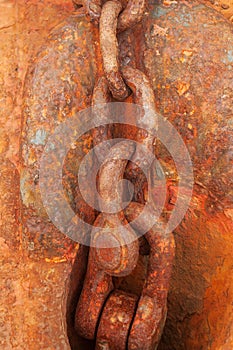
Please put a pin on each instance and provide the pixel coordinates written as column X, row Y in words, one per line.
column 187, row 53
column 191, row 69
column 58, row 86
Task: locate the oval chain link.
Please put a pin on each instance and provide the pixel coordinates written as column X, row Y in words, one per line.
column 132, row 13
column 109, row 49
column 116, row 319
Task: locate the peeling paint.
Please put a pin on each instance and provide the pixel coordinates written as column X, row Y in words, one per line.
column 40, row 137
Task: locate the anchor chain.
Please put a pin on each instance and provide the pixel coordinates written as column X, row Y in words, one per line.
column 115, row 318
column 133, row 11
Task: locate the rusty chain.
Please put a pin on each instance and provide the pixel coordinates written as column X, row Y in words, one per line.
column 109, row 49
column 132, row 13
column 114, row 318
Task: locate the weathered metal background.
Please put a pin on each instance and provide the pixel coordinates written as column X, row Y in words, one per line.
column 188, row 55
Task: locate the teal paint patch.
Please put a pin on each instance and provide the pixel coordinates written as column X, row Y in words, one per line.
column 184, row 19
column 230, row 56
column 51, row 147
column 159, row 12
column 40, row 137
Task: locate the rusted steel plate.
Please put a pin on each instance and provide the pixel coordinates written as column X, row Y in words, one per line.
column 201, row 291
column 30, row 291
column 188, row 57
column 59, row 85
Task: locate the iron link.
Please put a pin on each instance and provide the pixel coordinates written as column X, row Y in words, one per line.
column 131, row 14
column 109, row 49
column 122, row 258
column 116, row 319
column 101, row 97
column 97, row 286
column 151, row 310
column 143, row 96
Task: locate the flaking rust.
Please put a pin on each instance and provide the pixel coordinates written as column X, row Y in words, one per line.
column 194, row 91
column 58, row 85
column 56, row 90
column 151, row 312
column 115, row 252
column 115, row 321
column 109, row 49
column 191, row 70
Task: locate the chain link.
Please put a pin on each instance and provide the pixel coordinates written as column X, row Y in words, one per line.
column 132, row 13
column 114, row 318
column 109, row 49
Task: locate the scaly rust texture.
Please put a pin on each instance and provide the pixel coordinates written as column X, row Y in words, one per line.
column 223, row 6
column 105, row 262
column 161, row 32
column 76, row 278
column 187, row 56
column 143, row 95
column 101, row 96
column 148, row 321
column 91, row 7
column 96, row 288
column 109, row 49
column 132, row 14
column 32, row 290
column 180, row 37
column 56, row 90
column 53, row 95
column 150, row 316
column 98, row 281
column 121, row 257
column 115, row 321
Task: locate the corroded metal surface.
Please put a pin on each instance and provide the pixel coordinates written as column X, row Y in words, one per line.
column 109, row 49
column 32, row 292
column 176, row 69
column 111, row 251
column 143, row 96
column 188, row 57
column 97, row 286
column 150, row 316
column 104, row 133
column 56, row 90
column 91, row 7
column 115, row 321
column 132, row 14
column 121, row 258
column 200, row 299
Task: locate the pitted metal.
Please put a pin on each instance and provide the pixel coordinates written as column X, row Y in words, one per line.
column 113, row 317
column 109, row 49
column 131, row 14
column 151, row 310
